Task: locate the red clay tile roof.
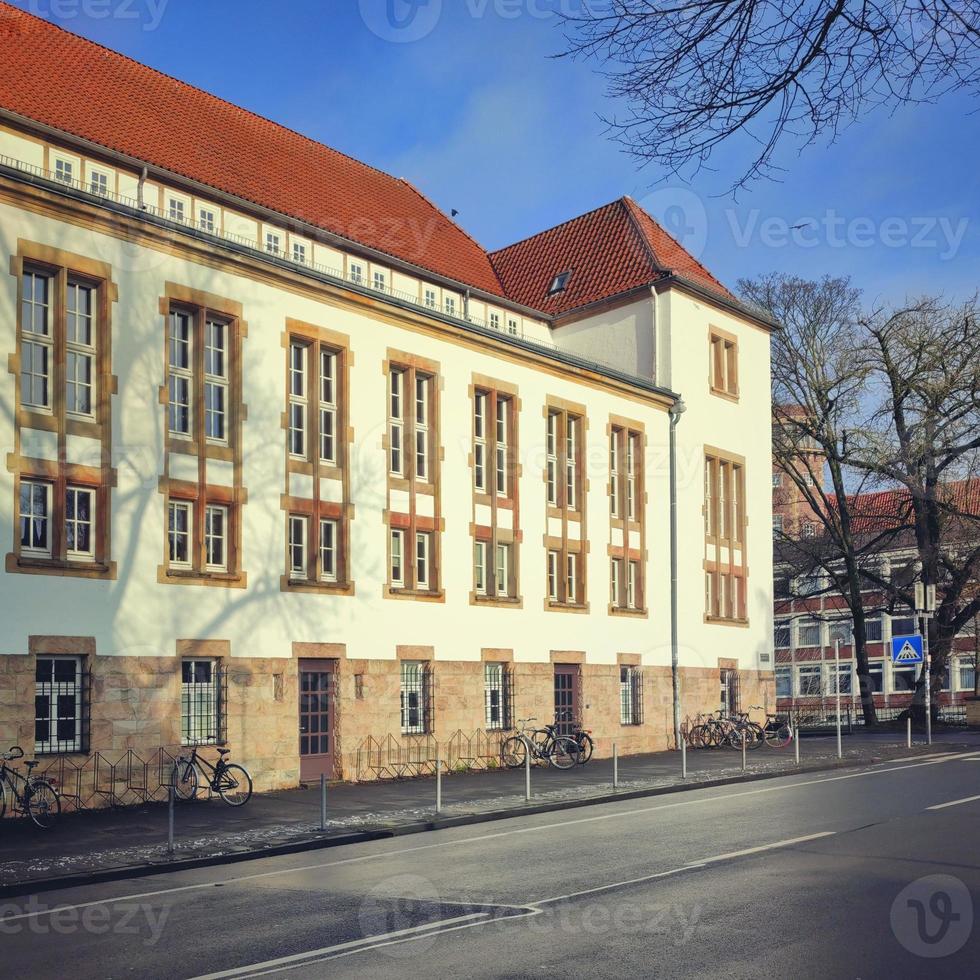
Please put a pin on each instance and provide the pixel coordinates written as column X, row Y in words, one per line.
column 608, row 251
column 883, row 510
column 82, row 88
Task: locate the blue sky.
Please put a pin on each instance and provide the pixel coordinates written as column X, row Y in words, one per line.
column 472, row 108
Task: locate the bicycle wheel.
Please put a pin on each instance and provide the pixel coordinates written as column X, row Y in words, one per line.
column 779, row 736
column 185, row 781
column 3, row 797
column 697, row 737
column 235, row 785
column 585, row 747
column 563, row 752
column 43, row 804
column 754, row 734
column 513, row 752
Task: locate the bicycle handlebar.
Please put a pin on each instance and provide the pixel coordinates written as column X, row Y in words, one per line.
column 10, row 755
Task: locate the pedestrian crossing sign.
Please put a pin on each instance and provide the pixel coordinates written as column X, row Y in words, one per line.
column 907, row 650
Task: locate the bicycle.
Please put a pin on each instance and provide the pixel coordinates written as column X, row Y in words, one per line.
column 230, row 781
column 582, row 738
column 37, row 798
column 778, row 732
column 542, row 745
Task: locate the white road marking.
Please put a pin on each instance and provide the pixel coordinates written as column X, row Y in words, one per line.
column 368, row 942
column 764, row 847
column 616, row 884
column 942, row 806
column 383, row 855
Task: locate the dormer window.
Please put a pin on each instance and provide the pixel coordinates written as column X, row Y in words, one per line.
column 559, row 282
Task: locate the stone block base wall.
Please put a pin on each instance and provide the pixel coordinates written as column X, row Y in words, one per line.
column 135, row 703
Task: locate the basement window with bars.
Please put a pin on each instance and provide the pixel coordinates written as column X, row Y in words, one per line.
column 200, row 702
column 630, row 696
column 416, row 697
column 61, row 700
column 498, row 696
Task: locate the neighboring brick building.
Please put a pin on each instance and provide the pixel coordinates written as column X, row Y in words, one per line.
column 295, row 463
column 810, row 615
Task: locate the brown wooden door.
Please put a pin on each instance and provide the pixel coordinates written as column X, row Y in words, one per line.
column 566, row 697
column 317, row 718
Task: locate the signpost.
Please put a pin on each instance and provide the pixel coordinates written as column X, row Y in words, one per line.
column 840, row 752
column 925, row 608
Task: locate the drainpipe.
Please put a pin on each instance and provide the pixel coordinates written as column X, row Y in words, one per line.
column 676, row 411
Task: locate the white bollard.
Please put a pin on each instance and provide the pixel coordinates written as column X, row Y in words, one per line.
column 908, row 732
column 683, row 758
column 615, row 766
column 170, row 819
column 743, row 751
column 527, row 773
column 438, row 782
column 796, row 744
column 323, row 801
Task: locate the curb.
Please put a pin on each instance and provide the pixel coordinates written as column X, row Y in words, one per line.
column 86, row 878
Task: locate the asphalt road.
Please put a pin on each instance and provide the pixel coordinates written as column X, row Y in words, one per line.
column 867, row 873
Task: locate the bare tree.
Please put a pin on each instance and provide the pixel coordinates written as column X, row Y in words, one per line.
column 693, row 74
column 924, row 437
column 819, row 373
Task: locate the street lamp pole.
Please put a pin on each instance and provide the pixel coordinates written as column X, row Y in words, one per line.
column 676, row 411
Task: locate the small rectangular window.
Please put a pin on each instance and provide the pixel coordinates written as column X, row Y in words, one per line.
column 58, row 708
column 396, row 422
column 422, row 428
column 98, row 183
column 64, row 171
column 497, row 696
column 724, row 363
column 355, row 272
column 298, row 535
column 328, row 406
column 553, row 575
column 781, row 636
column 328, row 549
column 80, row 350
column 216, row 538
column 299, row 253
column 273, row 243
column 423, row 556
column 809, row 681
column 380, row 281
column 481, row 575
column 199, row 708
column 397, row 565
column 633, row 585
column 808, row 634
column 36, row 342
column 513, row 327
column 80, row 523
column 571, row 578
column 181, row 373
column 615, row 581
column 416, row 697
column 494, row 321
column 207, row 221
column 176, row 210
column 480, row 403
column 450, row 305
column 551, row 451
column 216, row 381
column 630, row 696
column 35, row 519
column 179, row 522
column 298, row 400
column 430, row 298
column 502, row 570
column 784, row 682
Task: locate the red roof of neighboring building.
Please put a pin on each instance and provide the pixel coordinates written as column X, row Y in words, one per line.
column 884, row 510
column 608, row 251
column 86, row 90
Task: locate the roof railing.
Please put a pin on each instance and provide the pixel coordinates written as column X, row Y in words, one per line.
column 97, row 195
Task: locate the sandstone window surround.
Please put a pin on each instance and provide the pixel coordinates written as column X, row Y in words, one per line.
column 413, row 462
column 725, row 561
column 62, row 363
column 630, row 695
column 317, row 435
column 495, row 475
column 566, row 493
column 201, row 398
column 723, row 363
column 627, row 524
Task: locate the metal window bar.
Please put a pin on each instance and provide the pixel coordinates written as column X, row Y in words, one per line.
column 416, row 699
column 202, row 706
column 61, row 705
column 631, row 696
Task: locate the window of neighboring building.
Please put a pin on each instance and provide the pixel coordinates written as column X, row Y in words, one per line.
column 872, row 629
column 782, row 635
column 777, row 524
column 808, row 634
column 876, row 676
column 843, row 677
column 726, row 571
column 724, row 363
column 812, row 584
column 809, row 529
column 808, row 680
column 903, row 625
column 498, row 696
column 416, row 697
column 784, row 682
column 199, row 702
column 58, row 704
column 966, row 675
column 903, row 679
column 777, row 479
column 630, row 696
column 840, row 630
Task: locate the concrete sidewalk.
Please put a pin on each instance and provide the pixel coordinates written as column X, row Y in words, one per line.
column 95, row 842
